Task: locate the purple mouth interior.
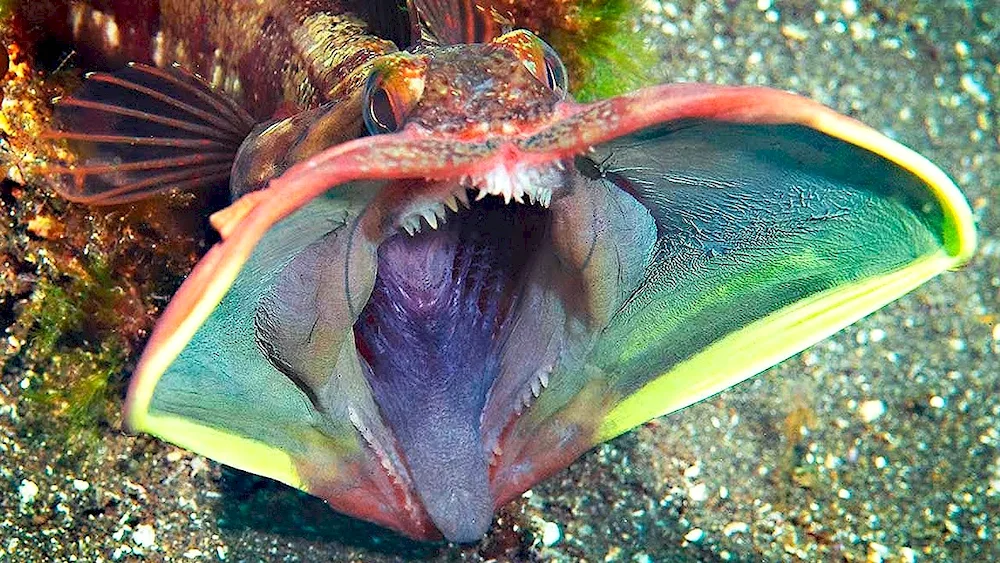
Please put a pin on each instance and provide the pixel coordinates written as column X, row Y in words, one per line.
column 433, row 333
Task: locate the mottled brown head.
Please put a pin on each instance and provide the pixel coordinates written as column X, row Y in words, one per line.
column 503, row 87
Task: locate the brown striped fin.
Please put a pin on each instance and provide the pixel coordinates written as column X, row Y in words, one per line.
column 143, row 131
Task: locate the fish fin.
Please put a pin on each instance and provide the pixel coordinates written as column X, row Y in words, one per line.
column 142, row 131
column 452, row 22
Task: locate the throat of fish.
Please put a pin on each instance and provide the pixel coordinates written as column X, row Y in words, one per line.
column 439, row 331
column 434, row 341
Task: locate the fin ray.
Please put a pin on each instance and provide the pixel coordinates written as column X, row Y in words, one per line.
column 143, row 131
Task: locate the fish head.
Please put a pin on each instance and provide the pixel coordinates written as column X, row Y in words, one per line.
column 468, row 92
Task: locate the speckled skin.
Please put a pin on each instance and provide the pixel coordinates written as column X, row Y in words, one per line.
column 467, row 86
column 464, row 92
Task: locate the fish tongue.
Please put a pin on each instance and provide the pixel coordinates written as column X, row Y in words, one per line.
column 448, row 468
column 431, row 333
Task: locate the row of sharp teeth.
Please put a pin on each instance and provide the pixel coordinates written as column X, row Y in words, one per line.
column 538, row 382
column 528, row 183
column 434, row 214
column 402, row 485
column 509, row 190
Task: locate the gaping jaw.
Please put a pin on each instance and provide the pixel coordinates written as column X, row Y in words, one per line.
column 445, row 325
column 453, row 319
column 714, row 232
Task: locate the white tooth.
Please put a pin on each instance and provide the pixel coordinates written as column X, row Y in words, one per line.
column 531, row 197
column 560, row 165
column 431, row 218
column 481, row 195
column 408, row 228
column 452, row 203
column 506, row 196
column 463, row 198
column 543, row 378
column 536, row 387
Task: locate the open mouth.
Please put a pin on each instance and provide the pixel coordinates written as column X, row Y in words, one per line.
column 436, row 336
column 454, row 322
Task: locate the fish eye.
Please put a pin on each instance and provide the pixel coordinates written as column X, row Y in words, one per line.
column 555, row 71
column 380, row 116
column 392, row 91
column 537, row 56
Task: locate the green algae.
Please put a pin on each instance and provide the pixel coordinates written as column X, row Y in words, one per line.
column 605, row 52
column 73, row 348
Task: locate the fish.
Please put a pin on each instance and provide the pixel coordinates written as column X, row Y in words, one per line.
column 440, row 279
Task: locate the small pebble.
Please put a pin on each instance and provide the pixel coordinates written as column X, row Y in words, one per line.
column 937, row 402
column 28, row 491
column 735, row 528
column 80, row 485
column 844, row 494
column 144, row 535
column 849, row 8
column 694, row 535
column 870, row 410
column 877, row 553
column 974, row 88
column 794, row 32
column 551, row 534
column 698, row 493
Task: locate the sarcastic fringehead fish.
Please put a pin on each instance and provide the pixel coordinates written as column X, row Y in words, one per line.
column 441, row 280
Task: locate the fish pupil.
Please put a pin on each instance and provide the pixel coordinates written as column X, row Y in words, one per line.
column 381, row 114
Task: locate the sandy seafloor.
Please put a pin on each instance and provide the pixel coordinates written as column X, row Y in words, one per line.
column 788, row 466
